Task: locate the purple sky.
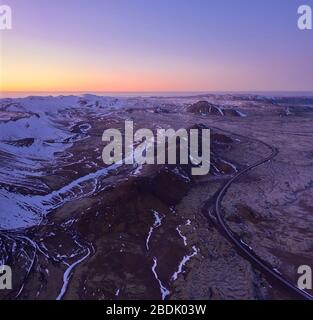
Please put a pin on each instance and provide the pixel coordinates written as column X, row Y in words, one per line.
column 156, row 45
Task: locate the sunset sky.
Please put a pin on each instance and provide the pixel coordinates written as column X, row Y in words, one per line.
column 155, row 45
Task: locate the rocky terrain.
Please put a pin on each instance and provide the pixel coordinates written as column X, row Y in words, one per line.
column 73, row 228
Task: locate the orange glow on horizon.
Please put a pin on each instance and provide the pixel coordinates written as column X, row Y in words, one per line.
column 43, row 67
column 131, row 46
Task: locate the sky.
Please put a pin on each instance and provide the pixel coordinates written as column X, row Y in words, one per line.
column 155, row 45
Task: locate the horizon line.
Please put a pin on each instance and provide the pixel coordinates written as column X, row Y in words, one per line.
column 151, row 94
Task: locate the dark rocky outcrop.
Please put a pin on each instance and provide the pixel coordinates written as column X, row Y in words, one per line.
column 207, row 108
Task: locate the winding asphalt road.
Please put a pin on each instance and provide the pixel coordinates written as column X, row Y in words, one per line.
column 244, row 249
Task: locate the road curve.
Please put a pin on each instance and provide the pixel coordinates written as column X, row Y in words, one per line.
column 245, row 250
